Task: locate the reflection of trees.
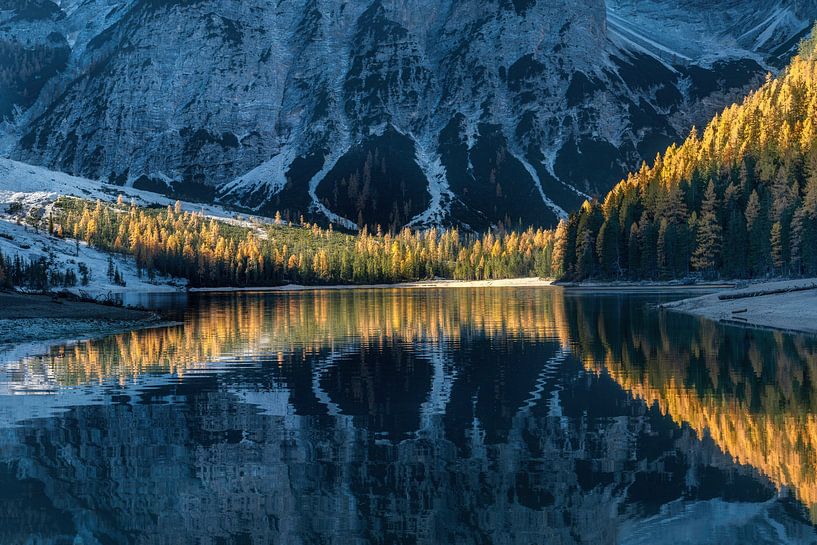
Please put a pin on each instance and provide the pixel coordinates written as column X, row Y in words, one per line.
column 221, row 328
column 383, row 417
column 752, row 391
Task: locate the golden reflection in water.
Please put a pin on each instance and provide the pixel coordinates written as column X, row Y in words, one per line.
column 274, row 325
column 752, row 392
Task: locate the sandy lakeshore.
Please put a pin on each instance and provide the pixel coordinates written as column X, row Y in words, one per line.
column 765, row 305
column 506, row 283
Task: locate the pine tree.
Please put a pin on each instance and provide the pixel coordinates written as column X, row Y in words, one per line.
column 734, row 247
column 84, row 273
column 804, row 232
column 584, row 267
column 664, row 251
column 734, row 236
column 560, row 263
column 590, row 219
column 708, row 240
column 633, row 254
column 777, row 247
column 608, row 249
column 648, row 248
column 758, row 230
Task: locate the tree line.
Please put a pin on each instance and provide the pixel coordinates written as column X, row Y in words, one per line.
column 214, row 252
column 738, row 200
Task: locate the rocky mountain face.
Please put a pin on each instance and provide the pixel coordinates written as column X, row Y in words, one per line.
column 365, row 112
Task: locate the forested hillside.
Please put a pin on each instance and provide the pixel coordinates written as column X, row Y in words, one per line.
column 209, row 252
column 737, row 200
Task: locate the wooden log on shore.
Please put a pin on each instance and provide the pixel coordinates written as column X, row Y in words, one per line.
column 760, row 293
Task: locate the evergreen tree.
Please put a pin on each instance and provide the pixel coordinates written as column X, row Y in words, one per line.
column 608, row 249
column 777, row 247
column 585, row 266
column 708, row 241
column 648, row 248
column 804, row 232
column 633, row 253
column 758, row 229
column 664, row 250
column 560, row 263
column 734, row 237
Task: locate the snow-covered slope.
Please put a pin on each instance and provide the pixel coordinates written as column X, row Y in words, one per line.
column 63, row 255
column 24, row 188
column 385, row 112
column 31, row 185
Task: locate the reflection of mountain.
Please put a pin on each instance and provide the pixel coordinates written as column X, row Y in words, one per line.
column 382, row 417
column 752, row 392
column 194, row 469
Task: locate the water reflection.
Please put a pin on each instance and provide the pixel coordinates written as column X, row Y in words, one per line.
column 296, row 325
column 396, row 416
column 751, row 391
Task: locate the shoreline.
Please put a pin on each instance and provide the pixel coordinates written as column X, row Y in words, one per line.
column 30, row 322
column 524, row 282
column 781, row 305
column 423, row 284
column 648, row 287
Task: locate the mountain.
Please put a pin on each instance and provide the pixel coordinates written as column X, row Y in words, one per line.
column 467, row 112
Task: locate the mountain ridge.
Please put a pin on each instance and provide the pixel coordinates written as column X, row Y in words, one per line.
column 472, row 113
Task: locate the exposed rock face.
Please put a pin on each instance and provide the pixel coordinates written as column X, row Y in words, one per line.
column 385, row 112
column 31, row 52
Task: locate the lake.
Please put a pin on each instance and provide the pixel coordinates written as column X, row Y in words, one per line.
column 493, row 416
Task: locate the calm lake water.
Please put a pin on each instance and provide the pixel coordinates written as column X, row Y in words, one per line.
column 501, row 416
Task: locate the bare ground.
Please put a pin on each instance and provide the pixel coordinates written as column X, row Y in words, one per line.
column 25, row 318
column 767, row 307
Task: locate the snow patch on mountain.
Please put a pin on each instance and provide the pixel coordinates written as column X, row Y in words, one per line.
column 317, row 205
column 558, row 210
column 439, row 211
column 268, row 178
